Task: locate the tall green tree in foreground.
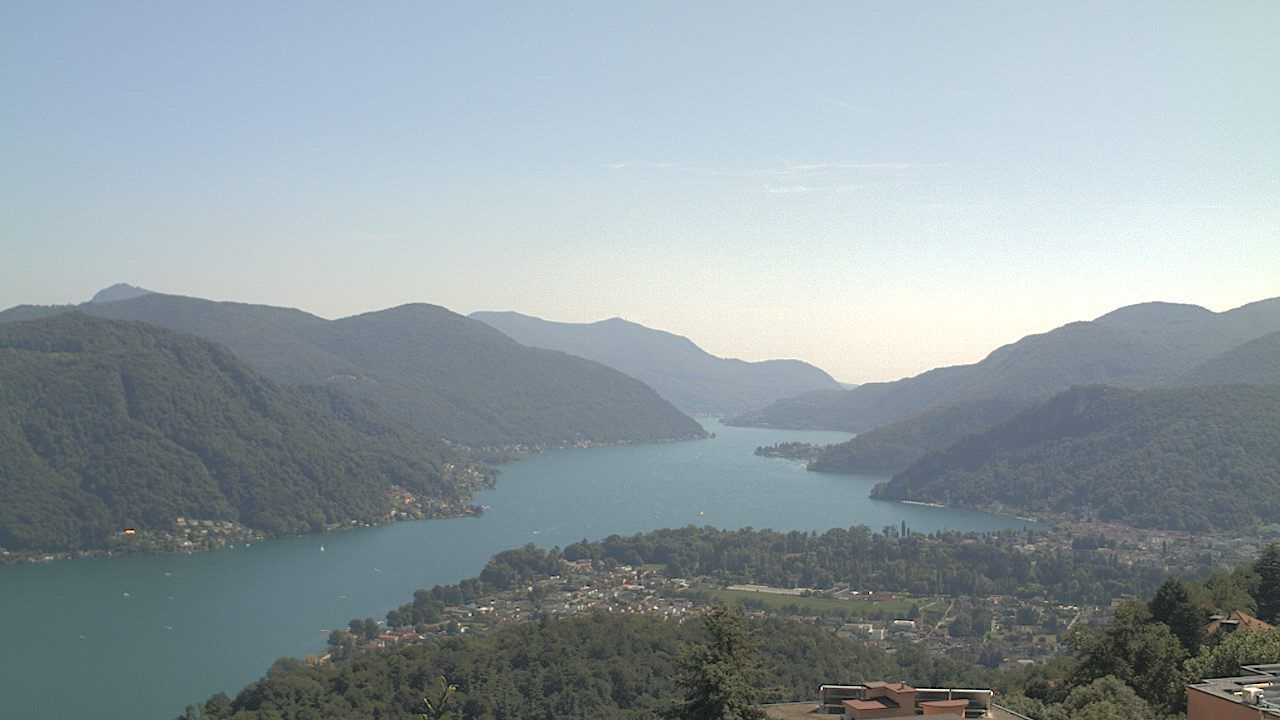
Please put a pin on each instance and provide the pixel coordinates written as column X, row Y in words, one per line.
column 718, row 676
column 1172, row 606
column 1268, row 569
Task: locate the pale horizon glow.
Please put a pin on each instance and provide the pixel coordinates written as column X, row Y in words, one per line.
column 878, row 189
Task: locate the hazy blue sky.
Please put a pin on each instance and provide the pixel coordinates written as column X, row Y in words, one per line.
column 878, row 188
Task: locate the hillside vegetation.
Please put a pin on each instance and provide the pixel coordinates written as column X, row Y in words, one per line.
column 691, row 378
column 106, row 425
column 449, row 376
column 895, row 446
column 1139, row 346
column 1204, row 458
column 1256, row 362
column 597, row 666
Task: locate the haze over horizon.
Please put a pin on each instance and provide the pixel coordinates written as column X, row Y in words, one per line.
column 876, row 189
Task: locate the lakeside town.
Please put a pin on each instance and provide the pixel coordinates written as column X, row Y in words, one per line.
column 995, row 631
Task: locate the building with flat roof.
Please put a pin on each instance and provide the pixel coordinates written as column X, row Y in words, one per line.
column 874, row 700
column 899, row 700
column 1253, row 696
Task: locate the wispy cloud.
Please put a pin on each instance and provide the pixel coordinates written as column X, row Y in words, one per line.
column 813, row 189
column 836, row 167
column 637, row 165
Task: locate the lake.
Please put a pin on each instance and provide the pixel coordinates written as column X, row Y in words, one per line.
column 141, row 637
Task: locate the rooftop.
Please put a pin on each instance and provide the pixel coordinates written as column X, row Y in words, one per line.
column 1261, row 689
column 809, row 711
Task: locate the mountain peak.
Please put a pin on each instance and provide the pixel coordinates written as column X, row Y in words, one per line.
column 1158, row 313
column 119, row 291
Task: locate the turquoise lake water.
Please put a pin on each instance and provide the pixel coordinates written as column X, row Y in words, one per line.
column 141, row 637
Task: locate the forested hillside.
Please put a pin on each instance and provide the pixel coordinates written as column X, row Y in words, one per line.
column 691, row 378
column 450, row 376
column 893, row 447
column 1138, row 346
column 1205, row 458
column 106, row 425
column 1256, row 362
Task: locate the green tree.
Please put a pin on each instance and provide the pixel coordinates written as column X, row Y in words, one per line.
column 1172, row 606
column 1143, row 654
column 1106, row 698
column 718, row 676
column 1230, row 591
column 1239, row 648
column 1268, row 568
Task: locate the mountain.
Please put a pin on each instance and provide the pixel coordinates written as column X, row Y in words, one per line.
column 119, row 291
column 893, row 447
column 691, row 378
column 1138, row 346
column 108, row 424
column 449, row 376
column 1255, row 362
column 1202, row 458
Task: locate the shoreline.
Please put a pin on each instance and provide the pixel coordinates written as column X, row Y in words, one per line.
column 170, row 543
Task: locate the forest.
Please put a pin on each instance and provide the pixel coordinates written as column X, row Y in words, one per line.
column 894, row 447
column 1197, row 459
column 108, row 425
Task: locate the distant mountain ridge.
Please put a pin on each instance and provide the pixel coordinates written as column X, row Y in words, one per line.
column 119, row 291
column 109, row 424
column 1256, row 362
column 1139, row 346
column 1200, row 458
column 691, row 378
column 448, row 375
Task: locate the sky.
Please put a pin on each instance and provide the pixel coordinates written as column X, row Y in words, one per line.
column 877, row 188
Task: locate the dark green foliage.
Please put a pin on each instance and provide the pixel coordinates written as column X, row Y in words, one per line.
column 1172, row 606
column 1106, row 698
column 446, row 374
column 679, row 370
column 790, row 450
column 1236, row 650
column 595, row 667
column 893, row 447
column 946, row 564
column 1139, row 346
column 1235, row 590
column 106, row 425
column 1140, row 648
column 1267, row 568
column 1192, row 459
column 719, row 676
column 1142, row 653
